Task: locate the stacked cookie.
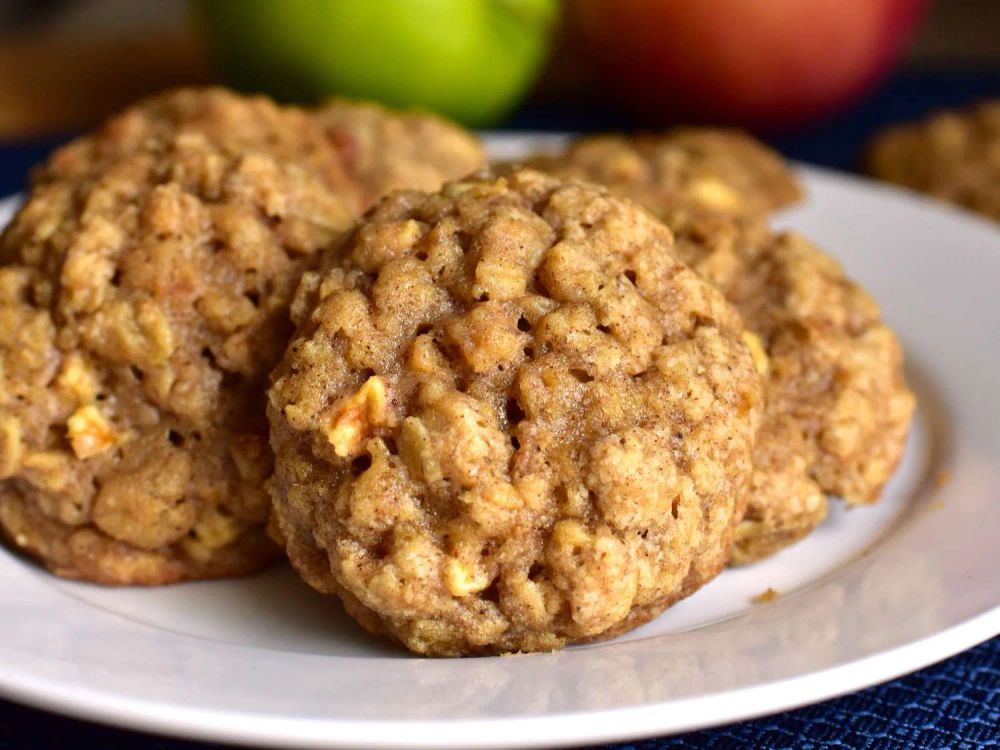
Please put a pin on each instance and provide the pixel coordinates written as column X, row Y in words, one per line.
column 496, row 410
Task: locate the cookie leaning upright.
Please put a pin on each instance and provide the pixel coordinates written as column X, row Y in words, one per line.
column 838, row 407
column 386, row 150
column 144, row 294
column 510, row 419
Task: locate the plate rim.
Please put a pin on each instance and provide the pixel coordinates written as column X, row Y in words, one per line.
column 551, row 730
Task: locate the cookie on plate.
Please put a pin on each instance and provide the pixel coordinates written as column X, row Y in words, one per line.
column 387, row 150
column 144, row 293
column 837, row 405
column 683, row 173
column 510, row 419
column 953, row 156
column 233, row 123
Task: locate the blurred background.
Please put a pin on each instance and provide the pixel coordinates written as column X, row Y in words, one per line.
column 816, row 78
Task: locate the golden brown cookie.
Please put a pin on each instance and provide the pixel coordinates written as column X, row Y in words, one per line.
column 388, row 150
column 510, row 419
column 683, row 173
column 233, row 123
column 144, row 292
column 838, row 408
column 953, row 156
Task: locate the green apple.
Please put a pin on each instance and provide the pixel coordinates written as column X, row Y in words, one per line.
column 468, row 59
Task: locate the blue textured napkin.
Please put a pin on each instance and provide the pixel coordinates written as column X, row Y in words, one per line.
column 955, row 704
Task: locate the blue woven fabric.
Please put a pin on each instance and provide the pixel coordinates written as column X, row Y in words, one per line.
column 954, row 705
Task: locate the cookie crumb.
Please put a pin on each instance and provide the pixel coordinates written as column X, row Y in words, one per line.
column 767, row 595
column 942, row 478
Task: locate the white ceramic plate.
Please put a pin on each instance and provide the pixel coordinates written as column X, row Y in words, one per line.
column 872, row 594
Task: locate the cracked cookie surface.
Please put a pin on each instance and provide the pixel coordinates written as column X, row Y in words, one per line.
column 144, row 294
column 510, row 419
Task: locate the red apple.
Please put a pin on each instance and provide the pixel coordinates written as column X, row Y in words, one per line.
column 755, row 62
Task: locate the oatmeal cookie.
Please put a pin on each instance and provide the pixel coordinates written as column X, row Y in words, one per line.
column 234, row 123
column 388, row 150
column 953, row 156
column 510, row 419
column 686, row 172
column 838, row 408
column 144, row 294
